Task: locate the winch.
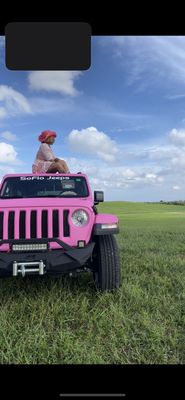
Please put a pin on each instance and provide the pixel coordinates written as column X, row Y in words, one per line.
column 24, row 268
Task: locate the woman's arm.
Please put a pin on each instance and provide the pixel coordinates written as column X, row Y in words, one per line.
column 47, row 152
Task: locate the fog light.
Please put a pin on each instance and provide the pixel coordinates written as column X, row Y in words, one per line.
column 109, row 226
column 81, row 243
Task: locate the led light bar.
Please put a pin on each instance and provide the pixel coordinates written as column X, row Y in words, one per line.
column 33, row 246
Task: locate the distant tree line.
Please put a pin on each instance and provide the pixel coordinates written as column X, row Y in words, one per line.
column 176, row 202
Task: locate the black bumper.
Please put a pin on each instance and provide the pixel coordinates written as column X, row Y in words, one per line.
column 56, row 261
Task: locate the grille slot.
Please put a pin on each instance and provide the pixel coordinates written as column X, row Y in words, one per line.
column 44, row 224
column 66, row 228
column 33, row 225
column 55, row 222
column 22, row 225
column 11, row 224
column 1, row 224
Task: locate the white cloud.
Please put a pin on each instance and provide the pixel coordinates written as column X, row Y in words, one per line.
column 54, row 81
column 5, row 169
column 162, row 153
column 178, row 163
column 139, row 153
column 132, row 128
column 13, row 102
column 8, row 135
column 3, row 112
column 43, row 105
column 157, row 167
column 8, row 154
column 151, row 173
column 175, row 96
column 107, row 109
column 115, row 177
column 177, row 137
column 141, row 182
column 84, row 166
column 149, row 59
column 93, row 142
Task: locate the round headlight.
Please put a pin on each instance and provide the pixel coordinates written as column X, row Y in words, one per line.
column 80, row 218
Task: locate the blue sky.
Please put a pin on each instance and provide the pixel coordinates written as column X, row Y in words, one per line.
column 122, row 121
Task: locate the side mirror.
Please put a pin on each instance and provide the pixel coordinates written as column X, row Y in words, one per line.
column 98, row 196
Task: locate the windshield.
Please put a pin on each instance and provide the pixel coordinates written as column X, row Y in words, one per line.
column 44, row 186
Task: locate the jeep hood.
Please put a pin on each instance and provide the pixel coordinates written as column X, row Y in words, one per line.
column 46, row 202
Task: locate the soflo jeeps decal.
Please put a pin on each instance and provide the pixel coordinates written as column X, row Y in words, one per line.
column 49, row 224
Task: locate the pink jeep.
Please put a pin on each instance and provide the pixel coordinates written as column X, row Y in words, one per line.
column 49, row 223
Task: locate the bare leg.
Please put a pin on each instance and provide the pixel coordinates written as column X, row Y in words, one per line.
column 64, row 166
column 58, row 166
column 52, row 169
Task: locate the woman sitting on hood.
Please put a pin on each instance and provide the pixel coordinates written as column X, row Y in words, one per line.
column 45, row 161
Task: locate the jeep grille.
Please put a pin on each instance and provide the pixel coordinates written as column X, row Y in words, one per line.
column 28, row 224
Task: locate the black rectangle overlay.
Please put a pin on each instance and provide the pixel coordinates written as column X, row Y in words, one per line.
column 48, row 46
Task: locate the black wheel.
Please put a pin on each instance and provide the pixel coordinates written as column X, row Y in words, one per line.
column 106, row 262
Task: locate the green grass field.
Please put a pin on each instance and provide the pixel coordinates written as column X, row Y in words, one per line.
column 65, row 321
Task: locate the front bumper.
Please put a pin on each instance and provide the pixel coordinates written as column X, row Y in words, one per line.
column 57, row 261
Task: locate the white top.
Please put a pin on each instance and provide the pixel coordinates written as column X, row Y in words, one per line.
column 44, row 158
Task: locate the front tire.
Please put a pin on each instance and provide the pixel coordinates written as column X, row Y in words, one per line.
column 106, row 263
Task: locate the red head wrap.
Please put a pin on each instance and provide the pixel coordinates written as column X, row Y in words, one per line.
column 45, row 135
